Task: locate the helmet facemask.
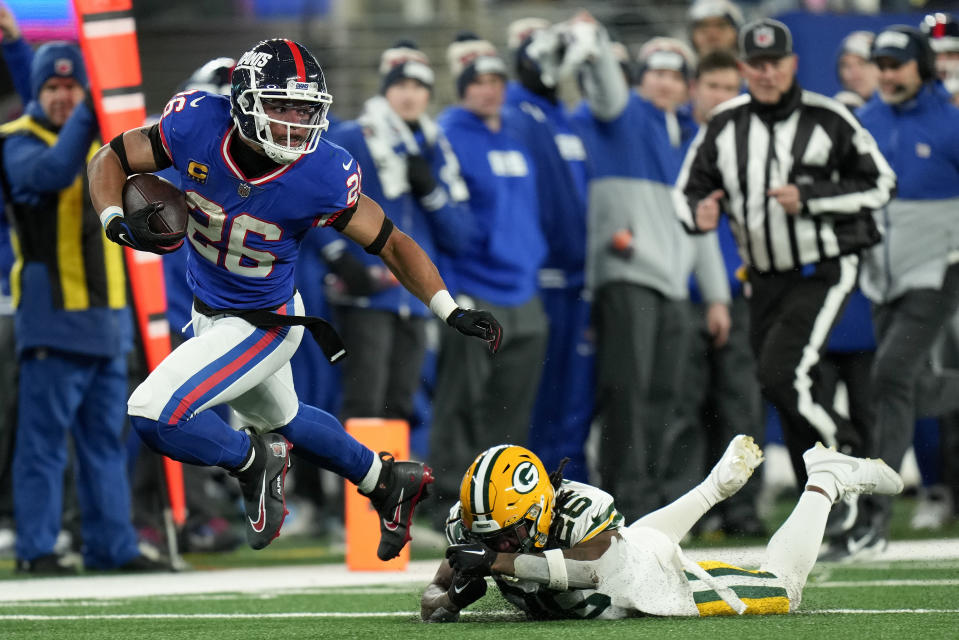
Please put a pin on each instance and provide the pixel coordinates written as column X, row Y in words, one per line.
column 253, row 104
column 283, row 73
column 522, row 536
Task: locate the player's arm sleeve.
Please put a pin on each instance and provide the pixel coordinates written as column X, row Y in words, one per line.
column 866, row 180
column 19, row 56
column 184, row 117
column 698, row 177
column 36, row 167
column 345, row 195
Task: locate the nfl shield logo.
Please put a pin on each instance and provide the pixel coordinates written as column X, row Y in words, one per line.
column 63, row 67
column 764, row 37
column 243, row 190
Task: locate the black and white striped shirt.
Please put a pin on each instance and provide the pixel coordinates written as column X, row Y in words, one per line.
column 808, row 140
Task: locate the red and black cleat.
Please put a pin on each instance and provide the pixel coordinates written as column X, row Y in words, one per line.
column 263, row 488
column 400, row 487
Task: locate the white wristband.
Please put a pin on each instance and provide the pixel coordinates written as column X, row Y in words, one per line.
column 558, row 579
column 442, row 304
column 109, row 214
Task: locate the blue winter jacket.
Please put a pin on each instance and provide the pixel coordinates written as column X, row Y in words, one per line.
column 35, row 171
column 561, row 177
column 920, row 140
column 18, row 55
column 507, row 247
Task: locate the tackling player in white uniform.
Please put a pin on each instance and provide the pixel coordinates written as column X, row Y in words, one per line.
column 559, row 549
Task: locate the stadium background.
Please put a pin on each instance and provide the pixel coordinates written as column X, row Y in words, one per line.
column 908, row 594
column 347, row 36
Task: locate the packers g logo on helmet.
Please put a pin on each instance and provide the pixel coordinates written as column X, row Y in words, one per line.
column 526, row 477
column 507, row 499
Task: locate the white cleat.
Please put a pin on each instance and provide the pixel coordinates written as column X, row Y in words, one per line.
column 741, row 458
column 853, row 475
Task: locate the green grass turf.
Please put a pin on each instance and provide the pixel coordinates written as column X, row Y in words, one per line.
column 390, row 613
column 293, row 550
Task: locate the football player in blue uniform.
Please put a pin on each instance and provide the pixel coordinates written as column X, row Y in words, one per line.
column 258, row 177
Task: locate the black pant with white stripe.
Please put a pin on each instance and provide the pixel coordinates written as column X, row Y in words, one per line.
column 792, row 314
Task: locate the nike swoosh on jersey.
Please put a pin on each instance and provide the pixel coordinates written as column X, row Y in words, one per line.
column 394, row 524
column 347, row 165
column 195, row 100
column 459, row 589
column 260, row 522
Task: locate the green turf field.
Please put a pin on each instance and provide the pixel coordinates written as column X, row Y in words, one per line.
column 888, row 599
column 892, row 600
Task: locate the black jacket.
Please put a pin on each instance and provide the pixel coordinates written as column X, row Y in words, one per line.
column 805, row 139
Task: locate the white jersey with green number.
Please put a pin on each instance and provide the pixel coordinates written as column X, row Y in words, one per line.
column 580, row 512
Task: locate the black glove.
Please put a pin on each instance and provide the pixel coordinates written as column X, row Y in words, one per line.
column 419, row 173
column 133, row 230
column 472, row 559
column 466, row 590
column 480, row 324
column 354, row 274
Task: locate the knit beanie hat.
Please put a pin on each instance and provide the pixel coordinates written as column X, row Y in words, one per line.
column 469, row 56
column 666, row 53
column 405, row 60
column 60, row 59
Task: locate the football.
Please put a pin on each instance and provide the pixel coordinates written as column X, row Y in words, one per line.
column 142, row 189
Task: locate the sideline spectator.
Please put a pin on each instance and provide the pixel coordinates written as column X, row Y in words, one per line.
column 714, row 26
column 913, row 279
column 942, row 30
column 639, row 260
column 17, row 55
column 564, row 405
column 857, row 73
column 478, row 400
column 409, row 169
column 73, row 329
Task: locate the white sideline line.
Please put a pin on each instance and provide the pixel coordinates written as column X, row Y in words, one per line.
column 832, row 584
column 945, row 582
column 376, row 614
column 872, row 611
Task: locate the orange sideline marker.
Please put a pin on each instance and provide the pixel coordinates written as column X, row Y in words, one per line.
column 107, row 34
column 362, row 521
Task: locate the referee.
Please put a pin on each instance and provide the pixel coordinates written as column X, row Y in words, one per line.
column 799, row 178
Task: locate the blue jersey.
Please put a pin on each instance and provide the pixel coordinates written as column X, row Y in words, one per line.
column 245, row 233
